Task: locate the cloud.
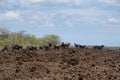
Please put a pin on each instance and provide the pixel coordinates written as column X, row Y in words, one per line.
column 112, row 20
column 59, row 15
column 111, row 2
column 65, row 2
column 75, row 2
column 40, row 19
column 11, row 15
column 61, row 1
column 68, row 23
column 78, row 2
column 107, row 1
column 37, row 1
column 35, row 17
column 47, row 24
column 91, row 11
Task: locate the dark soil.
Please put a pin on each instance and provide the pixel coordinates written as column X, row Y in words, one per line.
column 63, row 64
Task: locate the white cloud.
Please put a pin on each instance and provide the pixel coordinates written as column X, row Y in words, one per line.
column 37, row 24
column 11, row 15
column 107, row 1
column 34, row 1
column 41, row 19
column 92, row 11
column 68, row 23
column 112, row 2
column 78, row 2
column 69, row 2
column 61, row 1
column 112, row 20
column 35, row 17
column 37, row 1
column 51, row 15
column 74, row 2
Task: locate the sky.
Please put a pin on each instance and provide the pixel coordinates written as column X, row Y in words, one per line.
column 89, row 22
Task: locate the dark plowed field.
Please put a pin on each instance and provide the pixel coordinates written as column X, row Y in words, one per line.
column 63, row 64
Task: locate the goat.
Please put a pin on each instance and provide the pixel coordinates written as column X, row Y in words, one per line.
column 76, row 45
column 63, row 45
column 17, row 47
column 56, row 47
column 46, row 47
column 82, row 46
column 50, row 45
column 98, row 47
column 41, row 47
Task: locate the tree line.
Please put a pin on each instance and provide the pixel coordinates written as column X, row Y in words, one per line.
column 25, row 39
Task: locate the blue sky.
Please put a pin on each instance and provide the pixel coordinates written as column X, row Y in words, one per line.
column 87, row 22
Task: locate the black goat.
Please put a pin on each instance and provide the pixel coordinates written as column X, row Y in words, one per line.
column 65, row 45
column 56, row 47
column 76, row 45
column 50, row 45
column 46, row 47
column 41, row 47
column 98, row 47
column 17, row 47
column 82, row 46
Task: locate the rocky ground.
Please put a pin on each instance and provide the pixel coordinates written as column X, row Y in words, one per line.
column 63, row 64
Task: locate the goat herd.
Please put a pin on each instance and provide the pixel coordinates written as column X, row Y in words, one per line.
column 51, row 46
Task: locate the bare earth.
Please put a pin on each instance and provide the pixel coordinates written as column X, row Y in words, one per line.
column 64, row 64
